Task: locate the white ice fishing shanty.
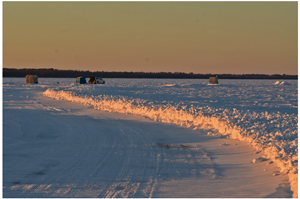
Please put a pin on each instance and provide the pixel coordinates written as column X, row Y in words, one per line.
column 213, row 80
column 31, row 79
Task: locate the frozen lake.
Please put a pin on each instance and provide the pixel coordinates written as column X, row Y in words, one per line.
column 263, row 113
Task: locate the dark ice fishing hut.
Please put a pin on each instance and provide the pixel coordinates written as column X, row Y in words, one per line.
column 213, row 80
column 80, row 80
column 31, row 79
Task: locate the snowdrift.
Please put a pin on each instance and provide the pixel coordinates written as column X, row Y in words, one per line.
column 281, row 83
column 276, row 134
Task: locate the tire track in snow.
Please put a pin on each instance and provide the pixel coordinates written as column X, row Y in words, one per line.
column 117, row 186
column 131, row 180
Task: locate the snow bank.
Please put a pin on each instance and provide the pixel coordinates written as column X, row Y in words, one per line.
column 282, row 83
column 274, row 133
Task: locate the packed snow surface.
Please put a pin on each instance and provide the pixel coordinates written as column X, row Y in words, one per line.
column 262, row 112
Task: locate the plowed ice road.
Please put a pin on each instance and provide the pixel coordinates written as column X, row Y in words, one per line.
column 61, row 149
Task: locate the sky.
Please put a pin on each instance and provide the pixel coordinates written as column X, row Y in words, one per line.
column 191, row 37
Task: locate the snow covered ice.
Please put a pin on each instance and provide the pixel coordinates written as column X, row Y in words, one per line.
column 262, row 113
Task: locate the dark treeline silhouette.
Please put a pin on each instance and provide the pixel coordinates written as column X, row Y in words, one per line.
column 50, row 72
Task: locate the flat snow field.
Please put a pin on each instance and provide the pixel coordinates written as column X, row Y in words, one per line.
column 149, row 138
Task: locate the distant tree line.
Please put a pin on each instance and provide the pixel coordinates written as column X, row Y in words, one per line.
column 50, row 72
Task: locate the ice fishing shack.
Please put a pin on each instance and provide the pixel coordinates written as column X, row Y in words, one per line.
column 80, row 80
column 213, row 80
column 31, row 79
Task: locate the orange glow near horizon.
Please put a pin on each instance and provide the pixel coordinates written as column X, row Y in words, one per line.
column 198, row 37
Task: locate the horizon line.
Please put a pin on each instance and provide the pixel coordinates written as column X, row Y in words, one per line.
column 192, row 73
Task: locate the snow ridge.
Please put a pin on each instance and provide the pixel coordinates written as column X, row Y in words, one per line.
column 276, row 134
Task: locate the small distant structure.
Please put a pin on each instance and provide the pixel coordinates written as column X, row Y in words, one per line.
column 96, row 80
column 213, row 80
column 31, row 79
column 80, row 80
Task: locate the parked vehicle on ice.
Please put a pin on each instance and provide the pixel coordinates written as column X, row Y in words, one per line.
column 96, row 80
column 80, row 80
